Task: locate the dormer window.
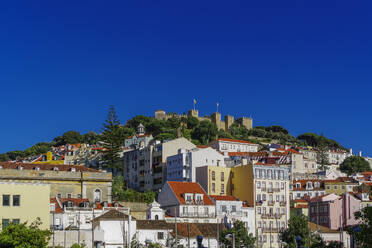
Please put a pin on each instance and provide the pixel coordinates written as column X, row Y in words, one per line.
column 73, row 169
column 55, row 168
column 37, row 168
column 1, row 166
column 188, row 198
column 316, row 185
column 298, row 185
column 199, row 198
column 20, row 168
column 309, row 185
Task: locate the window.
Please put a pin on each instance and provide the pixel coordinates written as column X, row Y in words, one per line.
column 282, row 185
column 5, row 223
column 6, row 200
column 233, row 208
column 223, row 208
column 160, row 235
column 213, row 187
column 79, row 196
column 59, row 195
column 258, row 197
column 15, row 221
column 264, row 197
column 335, row 187
column 97, row 195
column 222, row 188
column 258, row 185
column 213, row 175
column 16, row 200
column 69, row 195
column 259, row 210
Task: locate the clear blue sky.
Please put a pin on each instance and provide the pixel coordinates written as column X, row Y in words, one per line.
column 305, row 65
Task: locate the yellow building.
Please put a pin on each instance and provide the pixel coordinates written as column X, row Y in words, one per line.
column 48, row 159
column 21, row 202
column 266, row 187
column 340, row 185
column 300, row 207
column 215, row 180
column 66, row 181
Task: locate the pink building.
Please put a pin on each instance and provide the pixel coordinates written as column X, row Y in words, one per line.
column 334, row 211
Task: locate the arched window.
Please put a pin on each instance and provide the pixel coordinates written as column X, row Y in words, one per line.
column 156, row 217
column 97, row 195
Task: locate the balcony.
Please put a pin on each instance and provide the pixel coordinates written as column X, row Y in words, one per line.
column 276, row 189
column 56, row 227
column 270, row 203
column 197, row 215
column 283, row 203
column 263, row 189
column 258, row 203
column 270, row 190
column 270, row 230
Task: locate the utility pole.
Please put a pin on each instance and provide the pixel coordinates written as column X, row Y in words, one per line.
column 188, row 234
column 53, row 229
column 92, row 226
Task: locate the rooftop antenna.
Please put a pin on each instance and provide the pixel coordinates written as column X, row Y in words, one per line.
column 217, row 105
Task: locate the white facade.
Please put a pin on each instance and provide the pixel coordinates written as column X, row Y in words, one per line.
column 182, row 166
column 155, row 212
column 145, row 168
column 230, row 145
column 189, row 209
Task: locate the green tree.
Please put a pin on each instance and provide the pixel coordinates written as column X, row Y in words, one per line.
column 238, row 131
column 90, row 138
column 69, row 137
column 112, row 137
column 362, row 233
column 118, row 187
column 205, row 132
column 4, row 157
column 354, row 164
column 14, row 155
column 297, row 227
column 242, row 238
column 192, row 122
column 322, row 157
column 24, row 236
column 78, row 246
column 166, row 136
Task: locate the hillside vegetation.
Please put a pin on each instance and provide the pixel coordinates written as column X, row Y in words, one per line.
column 199, row 132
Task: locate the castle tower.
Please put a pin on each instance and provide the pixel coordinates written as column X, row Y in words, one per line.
column 193, row 113
column 247, row 122
column 229, row 120
column 216, row 119
column 160, row 114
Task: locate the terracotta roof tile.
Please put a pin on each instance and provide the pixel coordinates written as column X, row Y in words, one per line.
column 180, row 188
column 235, row 141
column 224, row 198
column 61, row 167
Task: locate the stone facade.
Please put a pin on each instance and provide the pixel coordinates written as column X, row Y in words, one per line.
column 224, row 124
column 65, row 181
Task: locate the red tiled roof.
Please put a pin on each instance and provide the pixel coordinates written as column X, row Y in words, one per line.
column 224, row 198
column 300, row 200
column 180, row 188
column 202, row 146
column 235, row 141
column 303, row 184
column 30, row 166
column 301, row 206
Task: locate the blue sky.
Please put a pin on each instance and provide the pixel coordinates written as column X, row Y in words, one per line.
column 305, row 65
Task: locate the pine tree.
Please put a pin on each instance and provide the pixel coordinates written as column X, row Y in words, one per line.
column 112, row 138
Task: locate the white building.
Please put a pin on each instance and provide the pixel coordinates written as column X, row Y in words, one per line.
column 187, row 202
column 182, row 166
column 307, row 188
column 145, row 168
column 231, row 145
column 154, row 212
column 118, row 228
column 229, row 209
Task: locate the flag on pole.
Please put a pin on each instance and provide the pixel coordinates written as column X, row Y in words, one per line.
column 194, row 101
column 218, row 104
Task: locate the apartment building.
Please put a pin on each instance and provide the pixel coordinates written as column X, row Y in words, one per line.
column 188, row 202
column 145, row 167
column 18, row 204
column 68, row 181
column 334, row 211
column 215, row 180
column 307, row 188
column 229, row 209
column 183, row 165
column 231, row 145
column 266, row 187
column 337, row 156
column 340, row 185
